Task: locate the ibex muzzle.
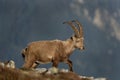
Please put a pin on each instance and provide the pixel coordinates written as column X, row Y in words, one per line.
column 54, row 51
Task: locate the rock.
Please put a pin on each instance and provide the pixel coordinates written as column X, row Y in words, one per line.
column 91, row 78
column 52, row 70
column 40, row 70
column 2, row 64
column 9, row 64
column 63, row 70
column 100, row 79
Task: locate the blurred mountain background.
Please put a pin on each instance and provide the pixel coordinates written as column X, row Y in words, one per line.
column 24, row 21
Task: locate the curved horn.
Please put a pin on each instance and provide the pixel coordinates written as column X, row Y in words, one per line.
column 73, row 27
column 80, row 27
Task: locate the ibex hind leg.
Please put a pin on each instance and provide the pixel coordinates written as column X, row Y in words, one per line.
column 35, row 64
column 28, row 64
column 69, row 62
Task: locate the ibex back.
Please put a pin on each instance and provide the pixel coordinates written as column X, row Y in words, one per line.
column 54, row 51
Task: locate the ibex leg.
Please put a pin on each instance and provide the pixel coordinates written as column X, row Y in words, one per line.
column 28, row 62
column 69, row 62
column 35, row 65
column 55, row 63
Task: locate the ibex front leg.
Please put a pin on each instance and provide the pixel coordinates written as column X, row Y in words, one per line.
column 55, row 63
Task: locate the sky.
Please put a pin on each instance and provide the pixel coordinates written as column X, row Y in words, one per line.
column 25, row 21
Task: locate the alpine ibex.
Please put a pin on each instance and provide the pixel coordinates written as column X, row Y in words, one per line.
column 54, row 51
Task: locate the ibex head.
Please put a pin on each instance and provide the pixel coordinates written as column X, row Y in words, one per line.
column 78, row 36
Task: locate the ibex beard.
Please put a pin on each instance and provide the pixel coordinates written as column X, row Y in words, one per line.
column 54, row 51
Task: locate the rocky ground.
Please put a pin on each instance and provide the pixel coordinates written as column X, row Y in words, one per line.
column 9, row 72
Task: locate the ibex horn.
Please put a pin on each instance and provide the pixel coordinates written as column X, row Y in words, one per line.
column 80, row 27
column 73, row 27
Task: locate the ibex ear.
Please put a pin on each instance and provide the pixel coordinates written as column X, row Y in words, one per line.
column 72, row 38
